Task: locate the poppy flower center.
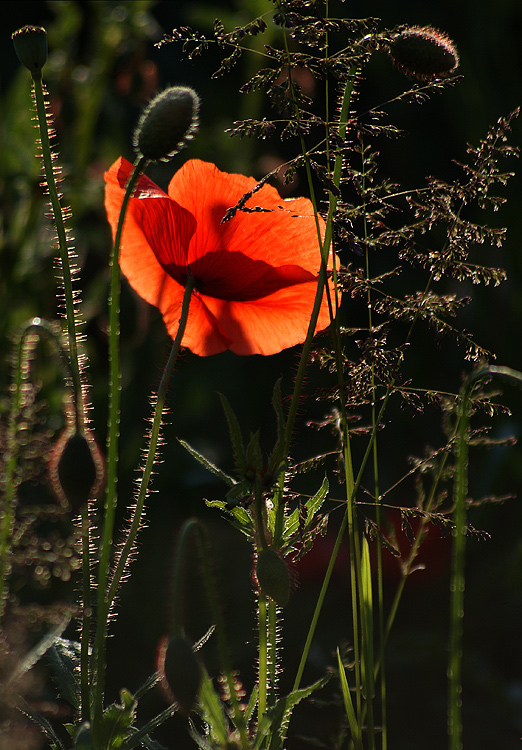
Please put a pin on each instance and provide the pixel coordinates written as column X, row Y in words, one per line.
column 234, row 276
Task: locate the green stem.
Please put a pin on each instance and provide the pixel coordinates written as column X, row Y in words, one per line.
column 262, row 668
column 86, row 617
column 272, row 652
column 319, row 604
column 459, row 547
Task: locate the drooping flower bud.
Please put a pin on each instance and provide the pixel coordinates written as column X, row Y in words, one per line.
column 273, row 576
column 423, row 52
column 30, row 43
column 167, row 124
column 182, row 672
column 76, row 468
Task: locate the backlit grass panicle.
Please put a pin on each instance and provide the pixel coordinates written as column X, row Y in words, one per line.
column 423, row 52
column 167, row 124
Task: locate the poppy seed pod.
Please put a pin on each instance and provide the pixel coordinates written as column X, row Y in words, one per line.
column 423, row 52
column 167, row 124
column 273, row 576
column 30, row 43
column 182, row 672
column 76, row 468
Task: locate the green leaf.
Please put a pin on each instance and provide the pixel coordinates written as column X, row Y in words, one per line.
column 117, row 720
column 208, row 464
column 254, row 456
column 367, row 621
column 277, row 460
column 240, row 517
column 235, row 435
column 141, row 737
column 313, row 504
column 63, row 659
column 355, row 729
column 275, row 721
column 212, row 710
column 54, row 741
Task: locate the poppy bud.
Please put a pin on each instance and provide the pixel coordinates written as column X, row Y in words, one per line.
column 182, row 672
column 273, row 576
column 168, row 122
column 76, row 468
column 30, row 43
column 423, row 52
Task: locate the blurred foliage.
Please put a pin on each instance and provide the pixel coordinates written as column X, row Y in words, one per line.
column 103, row 67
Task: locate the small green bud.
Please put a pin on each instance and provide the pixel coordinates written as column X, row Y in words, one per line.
column 423, row 52
column 273, row 576
column 30, row 43
column 182, row 672
column 167, row 124
column 76, row 468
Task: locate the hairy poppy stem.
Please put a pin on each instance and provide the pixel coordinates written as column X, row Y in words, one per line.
column 44, row 120
column 108, row 595
column 112, row 448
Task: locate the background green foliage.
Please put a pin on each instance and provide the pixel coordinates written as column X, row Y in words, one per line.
column 102, row 69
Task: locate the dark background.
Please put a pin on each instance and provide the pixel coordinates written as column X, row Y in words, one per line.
column 102, row 69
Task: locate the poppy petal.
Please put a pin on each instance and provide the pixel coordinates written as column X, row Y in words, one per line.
column 269, row 325
column 284, row 234
column 203, row 334
column 156, row 232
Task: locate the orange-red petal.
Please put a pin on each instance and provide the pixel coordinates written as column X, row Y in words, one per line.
column 256, row 275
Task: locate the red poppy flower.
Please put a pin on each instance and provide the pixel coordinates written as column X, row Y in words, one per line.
column 255, row 275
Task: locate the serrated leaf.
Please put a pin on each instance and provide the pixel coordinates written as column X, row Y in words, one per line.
column 314, row 503
column 63, row 659
column 207, row 464
column 275, row 721
column 141, row 737
column 117, row 720
column 254, row 456
column 277, row 459
column 235, row 435
column 212, row 709
column 54, row 741
column 240, row 517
